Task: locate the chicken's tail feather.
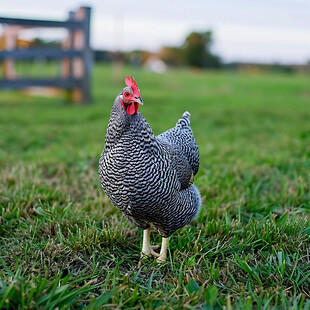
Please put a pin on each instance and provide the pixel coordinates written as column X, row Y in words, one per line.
column 184, row 120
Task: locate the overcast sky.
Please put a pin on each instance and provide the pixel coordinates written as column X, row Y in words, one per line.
column 244, row 30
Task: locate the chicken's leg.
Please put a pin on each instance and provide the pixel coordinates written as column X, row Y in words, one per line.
column 147, row 248
column 163, row 251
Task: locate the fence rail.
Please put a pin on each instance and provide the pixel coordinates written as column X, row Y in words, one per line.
column 37, row 82
column 75, row 54
column 54, row 53
column 41, row 23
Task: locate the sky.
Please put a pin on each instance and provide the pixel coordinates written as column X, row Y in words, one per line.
column 243, row 30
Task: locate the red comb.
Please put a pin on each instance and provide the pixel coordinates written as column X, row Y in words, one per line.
column 132, row 83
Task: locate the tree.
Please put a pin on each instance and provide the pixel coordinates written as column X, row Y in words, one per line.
column 197, row 50
column 172, row 56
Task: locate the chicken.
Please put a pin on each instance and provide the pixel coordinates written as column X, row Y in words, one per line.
column 148, row 178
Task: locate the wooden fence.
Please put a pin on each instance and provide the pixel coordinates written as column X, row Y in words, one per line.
column 75, row 54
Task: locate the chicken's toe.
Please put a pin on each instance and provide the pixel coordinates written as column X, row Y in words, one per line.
column 155, row 247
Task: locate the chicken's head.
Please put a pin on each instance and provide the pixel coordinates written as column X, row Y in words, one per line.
column 130, row 97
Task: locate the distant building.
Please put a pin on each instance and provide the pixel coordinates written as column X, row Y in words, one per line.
column 155, row 64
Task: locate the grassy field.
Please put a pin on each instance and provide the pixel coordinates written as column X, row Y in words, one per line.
column 63, row 245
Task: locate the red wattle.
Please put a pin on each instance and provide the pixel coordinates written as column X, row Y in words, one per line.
column 136, row 107
column 131, row 110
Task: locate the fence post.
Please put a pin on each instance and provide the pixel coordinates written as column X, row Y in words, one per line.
column 82, row 66
column 10, row 36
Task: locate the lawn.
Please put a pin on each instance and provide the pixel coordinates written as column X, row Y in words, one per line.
column 63, row 245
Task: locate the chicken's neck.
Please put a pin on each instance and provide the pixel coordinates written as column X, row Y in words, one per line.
column 121, row 123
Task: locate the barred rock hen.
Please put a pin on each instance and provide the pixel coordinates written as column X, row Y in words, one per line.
column 149, row 178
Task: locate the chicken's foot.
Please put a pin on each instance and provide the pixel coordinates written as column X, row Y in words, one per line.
column 163, row 251
column 147, row 248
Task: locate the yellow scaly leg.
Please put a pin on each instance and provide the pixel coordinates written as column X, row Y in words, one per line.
column 163, row 251
column 147, row 248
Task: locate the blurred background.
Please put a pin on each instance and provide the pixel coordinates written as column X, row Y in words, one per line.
column 237, row 67
column 272, row 35
column 234, row 66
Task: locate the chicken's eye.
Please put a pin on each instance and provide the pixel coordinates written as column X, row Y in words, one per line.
column 126, row 94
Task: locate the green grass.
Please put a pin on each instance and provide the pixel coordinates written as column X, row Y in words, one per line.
column 63, row 245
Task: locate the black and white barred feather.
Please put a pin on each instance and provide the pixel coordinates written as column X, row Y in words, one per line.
column 149, row 178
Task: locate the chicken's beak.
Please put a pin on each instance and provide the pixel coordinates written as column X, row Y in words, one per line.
column 139, row 100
